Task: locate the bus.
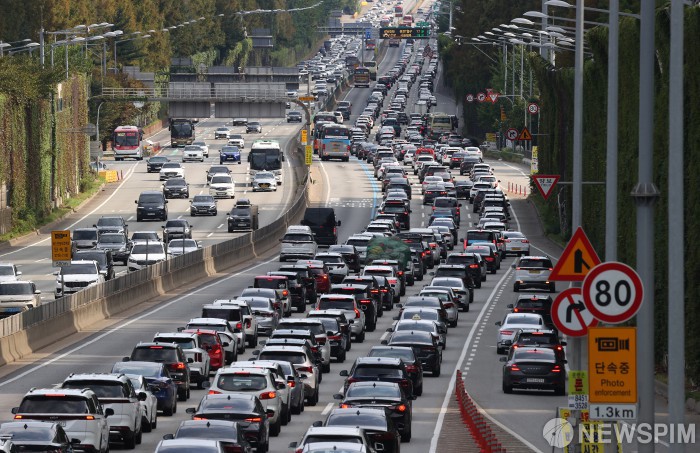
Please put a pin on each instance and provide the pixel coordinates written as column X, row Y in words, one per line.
column 439, row 124
column 408, row 20
column 127, row 142
column 266, row 155
column 370, row 44
column 335, row 142
column 361, row 77
column 398, row 11
column 372, row 66
column 385, row 21
column 181, row 132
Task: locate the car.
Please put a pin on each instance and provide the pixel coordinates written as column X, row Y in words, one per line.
column 111, row 224
column 253, row 383
column 236, row 140
column 149, row 403
column 350, row 255
column 230, row 153
column 9, row 272
column 229, row 433
column 225, row 331
column 172, row 356
column 239, row 121
column 253, row 126
column 280, row 381
column 512, row 323
column 177, row 247
column 337, row 266
column 279, row 284
column 81, row 239
column 325, row 434
column 203, row 205
column 301, row 356
column 76, row 276
column 534, row 367
column 377, row 423
column 203, row 145
column 410, row 360
column 298, row 242
column 181, row 445
column 193, row 152
column 80, row 413
column 176, row 188
column 222, row 186
column 491, row 258
column 535, row 303
column 533, row 272
column 243, row 216
column 516, row 243
column 210, row 341
column 294, row 116
column 155, row 163
column 151, row 204
column 176, row 228
column 474, row 264
column 145, row 236
column 385, row 369
column 424, row 344
column 239, row 318
column 114, row 391
column 171, row 170
column 144, row 254
column 18, row 296
column 423, row 325
column 114, row 244
column 316, row 327
column 221, row 132
column 35, row 436
column 348, row 304
column 264, row 181
column 159, row 381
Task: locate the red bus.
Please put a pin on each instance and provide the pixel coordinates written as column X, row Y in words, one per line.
column 408, row 20
column 127, row 143
column 398, row 11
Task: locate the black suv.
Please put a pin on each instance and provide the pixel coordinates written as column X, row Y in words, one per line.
column 350, row 254
column 155, row 163
column 176, row 188
column 385, row 369
column 243, row 216
column 111, row 224
column 323, row 224
column 474, row 263
column 295, row 285
column 151, row 205
column 174, row 359
column 307, row 277
column 534, row 303
column 541, row 339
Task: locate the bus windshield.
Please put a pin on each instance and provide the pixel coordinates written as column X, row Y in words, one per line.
column 130, row 138
column 179, row 129
column 265, row 159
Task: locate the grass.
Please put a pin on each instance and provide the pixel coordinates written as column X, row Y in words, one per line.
column 691, row 391
column 547, row 212
column 504, row 155
column 89, row 188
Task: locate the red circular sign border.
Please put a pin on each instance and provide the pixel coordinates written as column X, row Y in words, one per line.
column 636, row 281
column 560, row 299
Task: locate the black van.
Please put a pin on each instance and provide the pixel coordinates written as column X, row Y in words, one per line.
column 323, row 223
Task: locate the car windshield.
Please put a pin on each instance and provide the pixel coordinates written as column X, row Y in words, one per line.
column 271, row 283
column 140, row 236
column 144, row 249
column 175, row 183
column 155, row 354
column 295, row 358
column 144, row 369
column 377, row 371
column 110, row 221
column 293, row 237
column 342, row 304
column 54, row 404
column 82, row 235
column 533, row 354
column 157, row 159
column 358, row 242
column 15, row 289
column 258, row 303
column 203, row 199
column 532, row 320
column 442, row 295
column 76, row 269
column 427, row 314
column 221, row 180
column 333, row 438
column 176, row 224
column 103, row 389
column 264, row 175
column 171, row 165
column 241, row 382
column 535, row 262
column 182, row 243
column 32, row 433
column 370, row 420
column 208, row 432
column 108, row 238
column 184, row 342
column 536, row 338
column 422, row 326
column 151, row 198
column 360, row 391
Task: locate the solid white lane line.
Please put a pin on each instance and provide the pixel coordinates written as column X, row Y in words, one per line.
column 327, row 409
column 83, row 345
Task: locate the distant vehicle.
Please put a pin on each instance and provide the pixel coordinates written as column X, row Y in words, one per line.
column 243, row 216
column 181, row 132
column 222, row 132
column 361, row 77
column 266, row 155
column 239, row 121
column 127, row 142
column 253, row 126
column 294, row 116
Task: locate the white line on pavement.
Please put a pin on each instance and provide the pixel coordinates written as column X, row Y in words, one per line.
column 327, row 409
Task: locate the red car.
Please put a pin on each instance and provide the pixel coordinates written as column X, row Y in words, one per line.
column 210, row 341
column 320, row 271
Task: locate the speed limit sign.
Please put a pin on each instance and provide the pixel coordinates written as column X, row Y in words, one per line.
column 613, row 292
column 533, row 108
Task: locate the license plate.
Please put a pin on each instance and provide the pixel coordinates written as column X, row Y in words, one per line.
column 535, row 272
column 241, row 224
column 13, row 310
column 535, row 380
column 221, row 193
column 515, row 248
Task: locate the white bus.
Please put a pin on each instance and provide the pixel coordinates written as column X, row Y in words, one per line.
column 266, row 155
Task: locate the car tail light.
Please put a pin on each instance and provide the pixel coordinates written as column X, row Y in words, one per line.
column 559, row 348
column 516, row 310
column 291, row 384
column 405, row 383
column 411, row 368
column 285, row 293
column 448, row 304
column 357, row 313
column 321, row 341
column 385, row 290
column 216, row 350
column 401, row 408
column 365, row 301
column 489, row 258
column 314, row 348
column 180, row 366
column 514, row 368
column 507, row 241
column 556, row 369
column 374, row 291
column 506, row 332
column 268, row 395
column 214, row 392
column 433, row 245
column 335, row 337
column 239, row 325
column 254, row 419
column 247, row 324
column 198, row 418
column 473, row 266
column 305, row 369
column 345, row 406
column 325, row 276
column 524, row 241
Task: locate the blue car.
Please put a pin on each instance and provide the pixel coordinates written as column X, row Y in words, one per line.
column 159, row 381
column 229, row 153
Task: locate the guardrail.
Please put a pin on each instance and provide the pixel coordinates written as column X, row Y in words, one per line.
column 199, row 92
column 29, row 331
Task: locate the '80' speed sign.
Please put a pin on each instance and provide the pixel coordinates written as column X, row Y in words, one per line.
column 613, row 292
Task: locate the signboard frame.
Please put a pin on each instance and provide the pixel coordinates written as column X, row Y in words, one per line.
column 612, row 364
column 61, row 250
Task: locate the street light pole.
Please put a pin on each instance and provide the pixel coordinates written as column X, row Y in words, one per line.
column 611, row 154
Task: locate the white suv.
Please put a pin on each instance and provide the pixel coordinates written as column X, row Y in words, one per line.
column 256, row 380
column 190, row 345
column 115, row 392
column 249, row 321
column 79, row 411
column 348, row 305
column 76, row 276
column 533, row 272
column 299, row 243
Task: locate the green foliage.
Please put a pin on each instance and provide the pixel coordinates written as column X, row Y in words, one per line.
column 388, row 249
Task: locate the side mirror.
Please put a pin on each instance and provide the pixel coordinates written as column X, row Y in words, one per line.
column 338, row 396
column 281, row 385
column 142, row 396
column 317, row 424
column 205, row 384
column 256, row 353
column 513, row 265
column 339, row 222
column 343, row 373
column 168, row 437
column 125, row 359
column 563, row 343
column 293, row 444
column 498, row 323
column 390, row 329
column 109, row 411
column 190, row 410
column 16, row 409
column 509, row 306
column 75, row 441
column 503, row 359
column 190, row 360
column 384, row 342
column 225, row 344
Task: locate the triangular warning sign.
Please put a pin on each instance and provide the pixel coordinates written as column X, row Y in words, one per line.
column 545, row 184
column 493, row 96
column 577, row 260
column 525, row 135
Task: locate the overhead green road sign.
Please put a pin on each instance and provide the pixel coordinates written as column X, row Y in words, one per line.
column 404, row 32
column 422, row 24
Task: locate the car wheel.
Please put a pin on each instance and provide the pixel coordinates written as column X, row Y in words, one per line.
column 361, row 337
column 552, row 287
column 139, row 436
column 253, row 341
column 493, row 271
column 419, row 390
column 559, row 390
column 154, row 423
column 326, row 367
column 478, row 283
column 406, row 436
column 516, row 287
column 296, row 410
column 169, row 411
column 146, row 426
column 182, row 395
column 130, row 440
column 436, row 372
column 275, row 428
column 507, row 388
column 286, row 415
